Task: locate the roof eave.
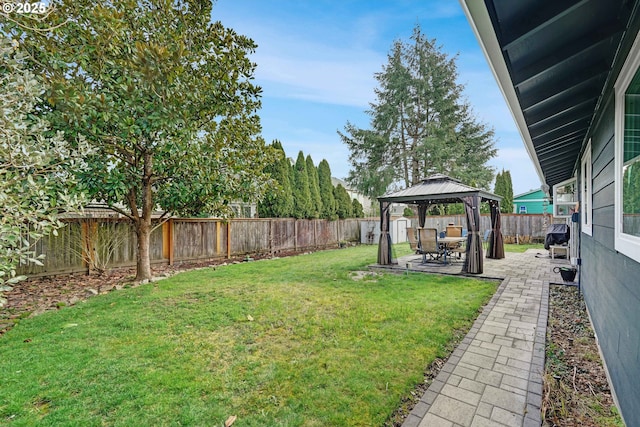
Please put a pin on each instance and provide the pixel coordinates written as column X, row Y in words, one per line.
column 478, row 17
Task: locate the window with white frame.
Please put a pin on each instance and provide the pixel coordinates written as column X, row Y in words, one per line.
column 564, row 198
column 627, row 156
column 586, row 207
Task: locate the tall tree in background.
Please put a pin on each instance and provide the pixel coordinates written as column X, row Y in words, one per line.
column 301, row 194
column 503, row 187
column 278, row 201
column 163, row 94
column 506, row 205
column 343, row 202
column 356, row 209
column 37, row 173
column 326, row 191
column 314, row 189
column 420, row 124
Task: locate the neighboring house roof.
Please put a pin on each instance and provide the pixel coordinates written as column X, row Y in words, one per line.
column 437, row 189
column 553, row 61
column 532, row 195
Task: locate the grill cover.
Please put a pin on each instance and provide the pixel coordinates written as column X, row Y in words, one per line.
column 557, row 234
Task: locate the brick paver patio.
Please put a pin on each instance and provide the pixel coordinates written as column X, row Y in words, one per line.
column 494, row 376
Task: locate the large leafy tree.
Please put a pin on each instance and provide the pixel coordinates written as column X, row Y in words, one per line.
column 36, row 172
column 166, row 97
column 420, row 124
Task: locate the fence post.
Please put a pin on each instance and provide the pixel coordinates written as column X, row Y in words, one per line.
column 89, row 232
column 217, row 237
column 271, row 236
column 315, row 233
column 228, row 239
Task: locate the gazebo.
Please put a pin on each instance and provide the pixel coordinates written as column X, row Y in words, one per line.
column 438, row 189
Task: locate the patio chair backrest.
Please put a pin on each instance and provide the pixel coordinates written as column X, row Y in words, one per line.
column 413, row 240
column 429, row 240
column 454, row 231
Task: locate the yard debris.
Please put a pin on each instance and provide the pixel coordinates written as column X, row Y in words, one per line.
column 362, row 275
column 576, row 391
column 230, row 421
column 250, row 318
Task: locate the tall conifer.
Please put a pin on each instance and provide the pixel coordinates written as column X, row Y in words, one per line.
column 301, row 194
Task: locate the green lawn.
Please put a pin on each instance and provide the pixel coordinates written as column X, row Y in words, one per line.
column 512, row 247
column 287, row 342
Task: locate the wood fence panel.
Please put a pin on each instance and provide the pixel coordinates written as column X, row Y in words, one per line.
column 350, row 230
column 123, row 237
column 249, row 236
column 326, row 233
column 187, row 240
column 62, row 252
column 305, row 234
column 283, row 236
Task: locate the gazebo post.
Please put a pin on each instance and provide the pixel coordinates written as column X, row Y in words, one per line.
column 384, row 246
column 496, row 242
column 473, row 261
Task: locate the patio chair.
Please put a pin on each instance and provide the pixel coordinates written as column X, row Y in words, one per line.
column 454, row 231
column 428, row 244
column 485, row 239
column 413, row 240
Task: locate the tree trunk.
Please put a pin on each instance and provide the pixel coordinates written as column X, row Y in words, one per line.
column 143, row 259
column 143, row 223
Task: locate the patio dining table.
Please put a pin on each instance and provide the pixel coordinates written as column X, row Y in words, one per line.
column 449, row 243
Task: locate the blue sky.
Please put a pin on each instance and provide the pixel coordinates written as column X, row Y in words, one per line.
column 317, row 58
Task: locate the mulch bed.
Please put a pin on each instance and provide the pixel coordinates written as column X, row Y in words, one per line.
column 576, row 391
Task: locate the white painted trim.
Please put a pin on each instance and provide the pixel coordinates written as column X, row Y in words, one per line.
column 557, row 204
column 529, row 200
column 480, row 22
column 586, row 193
column 624, row 243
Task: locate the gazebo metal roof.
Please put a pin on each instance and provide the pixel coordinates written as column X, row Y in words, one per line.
column 437, row 188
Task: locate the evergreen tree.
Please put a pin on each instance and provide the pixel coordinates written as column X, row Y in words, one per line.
column 326, row 191
column 506, row 205
column 343, row 202
column 278, row 201
column 301, row 194
column 420, row 124
column 356, row 209
column 501, row 189
column 314, row 189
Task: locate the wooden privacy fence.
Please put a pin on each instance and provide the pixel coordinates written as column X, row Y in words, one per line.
column 515, row 227
column 88, row 244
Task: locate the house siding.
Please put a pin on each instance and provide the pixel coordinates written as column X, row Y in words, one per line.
column 609, row 279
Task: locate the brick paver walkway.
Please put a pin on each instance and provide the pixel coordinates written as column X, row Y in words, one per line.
column 494, row 377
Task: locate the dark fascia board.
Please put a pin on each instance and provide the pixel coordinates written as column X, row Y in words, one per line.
column 480, row 22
